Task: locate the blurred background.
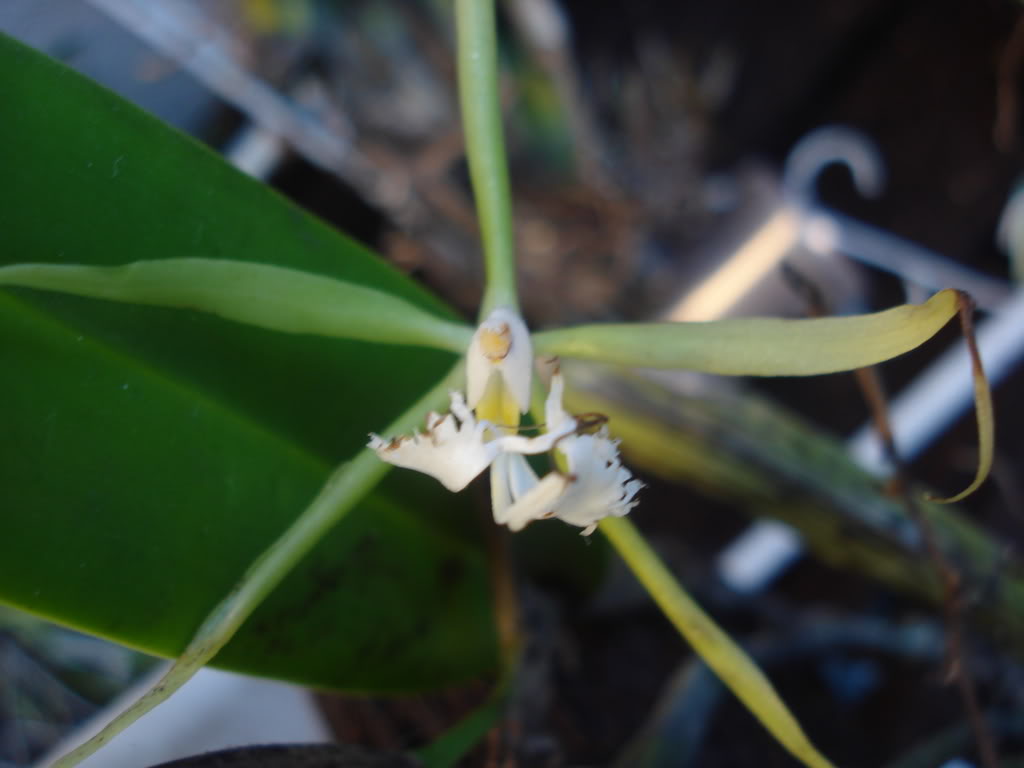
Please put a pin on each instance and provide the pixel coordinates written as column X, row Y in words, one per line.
column 673, row 161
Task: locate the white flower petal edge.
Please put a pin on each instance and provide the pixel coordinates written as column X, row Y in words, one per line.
column 457, row 447
column 596, row 486
column 500, row 345
column 601, row 486
column 453, row 449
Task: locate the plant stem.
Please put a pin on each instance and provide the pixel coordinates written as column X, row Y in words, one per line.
column 728, row 660
column 343, row 490
column 485, row 148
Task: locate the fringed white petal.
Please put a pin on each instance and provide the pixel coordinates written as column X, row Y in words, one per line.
column 501, row 344
column 454, row 449
column 457, row 447
column 600, row 486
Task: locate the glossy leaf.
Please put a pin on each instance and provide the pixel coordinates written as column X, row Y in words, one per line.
column 150, row 454
column 263, row 295
column 340, row 494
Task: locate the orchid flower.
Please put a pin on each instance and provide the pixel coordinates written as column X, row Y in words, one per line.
column 481, row 429
column 460, row 445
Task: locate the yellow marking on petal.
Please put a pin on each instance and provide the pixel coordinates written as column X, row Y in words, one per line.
column 497, row 405
column 495, row 345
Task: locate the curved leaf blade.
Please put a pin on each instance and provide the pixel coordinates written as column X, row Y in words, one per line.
column 757, row 346
column 730, row 662
column 264, row 295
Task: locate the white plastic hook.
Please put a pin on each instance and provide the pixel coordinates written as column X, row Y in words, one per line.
column 823, row 230
column 831, row 145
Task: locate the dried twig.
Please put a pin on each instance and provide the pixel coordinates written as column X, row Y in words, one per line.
column 957, row 662
column 958, row 667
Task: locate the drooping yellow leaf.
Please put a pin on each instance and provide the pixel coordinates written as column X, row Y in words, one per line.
column 730, row 662
column 760, row 346
column 982, row 406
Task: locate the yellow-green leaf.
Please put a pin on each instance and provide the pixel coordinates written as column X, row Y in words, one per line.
column 982, row 405
column 728, row 660
column 268, row 296
column 763, row 346
column 758, row 346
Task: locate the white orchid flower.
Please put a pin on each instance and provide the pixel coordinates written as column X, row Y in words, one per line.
column 460, row 445
column 595, row 486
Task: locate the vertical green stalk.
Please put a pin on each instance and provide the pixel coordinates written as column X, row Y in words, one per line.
column 343, row 490
column 485, row 148
column 730, row 662
column 481, row 117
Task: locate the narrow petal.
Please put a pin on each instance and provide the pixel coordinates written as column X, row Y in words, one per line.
column 501, row 491
column 538, row 502
column 511, row 478
column 521, row 477
column 758, row 346
column 540, row 444
column 553, row 410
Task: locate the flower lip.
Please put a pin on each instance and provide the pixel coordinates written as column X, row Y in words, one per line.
column 454, row 449
column 595, row 485
column 457, row 446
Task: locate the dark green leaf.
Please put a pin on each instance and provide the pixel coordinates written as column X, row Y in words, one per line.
column 149, row 454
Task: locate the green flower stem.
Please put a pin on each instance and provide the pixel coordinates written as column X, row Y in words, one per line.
column 716, row 648
column 453, row 745
column 343, row 490
column 485, row 148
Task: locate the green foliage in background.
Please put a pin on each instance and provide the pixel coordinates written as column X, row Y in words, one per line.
column 149, row 455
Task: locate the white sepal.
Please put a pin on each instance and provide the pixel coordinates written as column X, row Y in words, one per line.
column 453, row 449
column 500, row 345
